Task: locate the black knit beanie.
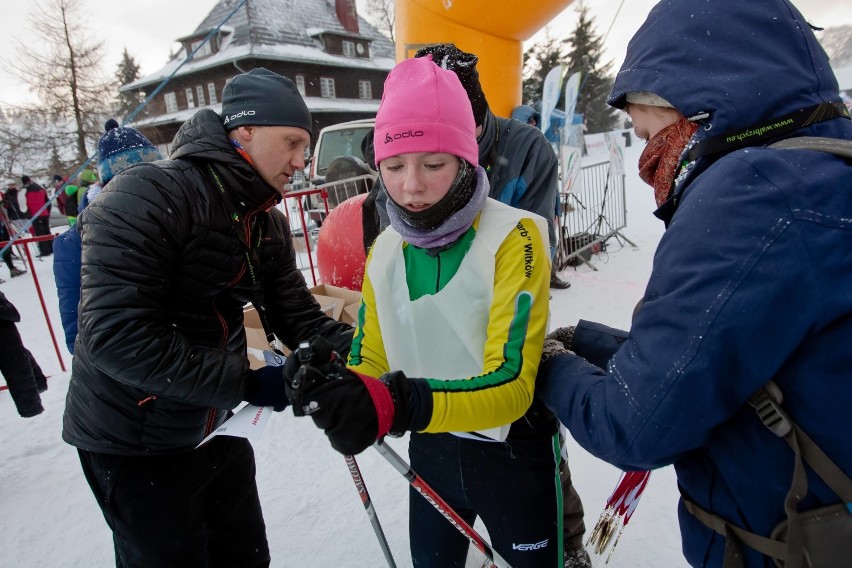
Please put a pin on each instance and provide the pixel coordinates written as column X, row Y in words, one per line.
column 263, row 98
column 463, row 64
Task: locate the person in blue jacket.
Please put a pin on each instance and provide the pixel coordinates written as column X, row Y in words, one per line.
column 118, row 148
column 751, row 282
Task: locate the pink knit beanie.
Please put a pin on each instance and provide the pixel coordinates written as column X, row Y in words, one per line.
column 424, row 109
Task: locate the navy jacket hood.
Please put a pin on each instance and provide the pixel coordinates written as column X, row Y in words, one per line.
column 731, row 59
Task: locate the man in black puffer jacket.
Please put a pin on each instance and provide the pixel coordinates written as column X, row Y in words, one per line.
column 172, row 251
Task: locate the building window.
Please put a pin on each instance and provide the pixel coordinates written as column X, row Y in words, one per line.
column 204, row 51
column 211, row 93
column 327, row 87
column 171, row 102
column 199, row 91
column 365, row 90
column 190, row 99
column 348, row 48
column 300, row 84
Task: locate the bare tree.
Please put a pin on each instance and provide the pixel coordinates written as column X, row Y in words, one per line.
column 62, row 66
column 32, row 144
column 381, row 14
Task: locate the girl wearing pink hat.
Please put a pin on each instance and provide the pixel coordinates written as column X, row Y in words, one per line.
column 453, row 317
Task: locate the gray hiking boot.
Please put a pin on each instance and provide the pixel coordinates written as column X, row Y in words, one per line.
column 577, row 558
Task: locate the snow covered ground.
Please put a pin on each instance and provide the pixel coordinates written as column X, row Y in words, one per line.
column 314, row 518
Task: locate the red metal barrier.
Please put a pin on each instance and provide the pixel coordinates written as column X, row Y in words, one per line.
column 32, row 267
column 311, row 217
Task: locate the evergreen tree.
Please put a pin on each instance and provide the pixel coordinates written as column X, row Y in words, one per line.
column 538, row 61
column 127, row 72
column 586, row 56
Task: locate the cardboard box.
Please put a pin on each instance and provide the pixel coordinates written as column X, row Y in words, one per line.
column 341, row 304
column 338, row 303
column 255, row 338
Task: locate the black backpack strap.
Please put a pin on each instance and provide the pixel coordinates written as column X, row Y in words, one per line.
column 836, row 146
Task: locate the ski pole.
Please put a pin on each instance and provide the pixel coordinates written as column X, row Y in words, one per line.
column 492, row 558
column 358, row 479
column 306, row 353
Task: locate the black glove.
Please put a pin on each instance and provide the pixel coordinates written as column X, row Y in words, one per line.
column 355, row 411
column 596, row 343
column 266, row 387
column 564, row 335
column 310, row 366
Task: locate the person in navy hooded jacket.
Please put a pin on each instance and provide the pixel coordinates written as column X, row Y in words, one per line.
column 752, row 280
column 118, row 148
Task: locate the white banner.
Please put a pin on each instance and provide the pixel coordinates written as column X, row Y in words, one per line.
column 572, row 89
column 550, row 94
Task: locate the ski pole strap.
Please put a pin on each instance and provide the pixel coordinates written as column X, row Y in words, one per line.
column 382, row 402
column 762, row 132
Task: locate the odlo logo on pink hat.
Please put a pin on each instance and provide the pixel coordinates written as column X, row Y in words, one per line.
column 401, row 135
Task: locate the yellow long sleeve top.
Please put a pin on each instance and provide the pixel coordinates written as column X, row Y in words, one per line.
column 517, row 319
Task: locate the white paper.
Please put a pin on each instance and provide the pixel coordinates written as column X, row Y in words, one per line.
column 249, row 421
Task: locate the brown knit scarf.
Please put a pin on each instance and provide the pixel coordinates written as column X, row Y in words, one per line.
column 658, row 162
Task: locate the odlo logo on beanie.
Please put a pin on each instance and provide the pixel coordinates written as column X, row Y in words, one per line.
column 240, row 114
column 402, row 135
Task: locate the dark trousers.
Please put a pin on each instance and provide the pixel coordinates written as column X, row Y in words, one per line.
column 41, row 226
column 22, row 373
column 7, row 255
column 198, row 508
column 513, row 487
column 572, row 508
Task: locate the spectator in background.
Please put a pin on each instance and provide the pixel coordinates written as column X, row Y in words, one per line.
column 118, row 149
column 36, row 199
column 12, row 207
column 59, row 193
column 7, row 254
column 19, row 369
column 88, row 183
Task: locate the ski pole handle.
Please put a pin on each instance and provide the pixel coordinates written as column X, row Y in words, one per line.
column 297, row 384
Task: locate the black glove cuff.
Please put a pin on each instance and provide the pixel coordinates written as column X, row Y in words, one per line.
column 412, row 399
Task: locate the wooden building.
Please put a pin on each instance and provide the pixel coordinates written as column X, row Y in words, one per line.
column 336, row 58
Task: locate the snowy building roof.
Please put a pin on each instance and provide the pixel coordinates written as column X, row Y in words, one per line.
column 315, row 104
column 282, row 30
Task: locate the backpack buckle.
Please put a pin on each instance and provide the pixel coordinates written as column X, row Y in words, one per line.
column 767, row 404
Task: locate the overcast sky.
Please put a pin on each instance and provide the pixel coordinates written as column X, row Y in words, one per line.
column 148, row 28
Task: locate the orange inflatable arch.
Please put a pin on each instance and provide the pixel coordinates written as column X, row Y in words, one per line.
column 492, row 29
